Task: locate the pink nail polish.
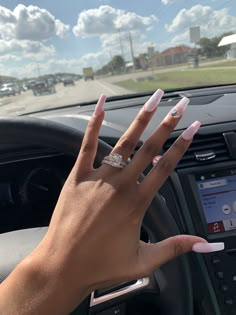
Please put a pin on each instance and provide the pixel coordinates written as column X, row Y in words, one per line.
column 191, row 130
column 179, row 108
column 99, row 107
column 208, row 247
column 153, row 101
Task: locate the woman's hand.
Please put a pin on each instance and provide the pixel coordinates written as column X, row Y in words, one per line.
column 93, row 240
column 95, row 228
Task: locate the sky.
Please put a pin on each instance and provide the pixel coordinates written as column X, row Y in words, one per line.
column 65, row 36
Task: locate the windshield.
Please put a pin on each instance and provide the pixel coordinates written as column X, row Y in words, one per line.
column 58, row 53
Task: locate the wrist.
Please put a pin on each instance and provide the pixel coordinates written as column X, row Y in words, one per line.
column 46, row 284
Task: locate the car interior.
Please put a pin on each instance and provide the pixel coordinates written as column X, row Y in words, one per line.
column 41, row 139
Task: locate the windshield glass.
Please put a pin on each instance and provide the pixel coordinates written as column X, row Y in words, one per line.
column 58, row 53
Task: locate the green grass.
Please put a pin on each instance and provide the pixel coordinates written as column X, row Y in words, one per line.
column 178, row 79
column 229, row 63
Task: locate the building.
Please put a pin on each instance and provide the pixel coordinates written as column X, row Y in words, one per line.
column 229, row 40
column 172, row 56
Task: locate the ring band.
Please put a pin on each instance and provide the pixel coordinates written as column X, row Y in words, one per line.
column 156, row 159
column 115, row 160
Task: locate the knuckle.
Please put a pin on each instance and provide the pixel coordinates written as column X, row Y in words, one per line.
column 92, row 124
column 149, row 149
column 166, row 126
column 126, row 144
column 142, row 120
column 86, row 147
column 178, row 248
column 165, row 165
column 179, row 146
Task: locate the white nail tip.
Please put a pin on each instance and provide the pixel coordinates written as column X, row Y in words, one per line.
column 208, row 247
column 152, row 103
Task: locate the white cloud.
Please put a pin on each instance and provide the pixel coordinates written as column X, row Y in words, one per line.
column 25, row 31
column 24, row 49
column 168, row 1
column 212, row 22
column 106, row 19
column 30, row 23
column 51, row 65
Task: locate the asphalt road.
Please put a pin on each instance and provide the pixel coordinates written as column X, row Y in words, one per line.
column 81, row 92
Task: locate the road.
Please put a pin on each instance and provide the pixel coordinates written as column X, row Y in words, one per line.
column 81, row 92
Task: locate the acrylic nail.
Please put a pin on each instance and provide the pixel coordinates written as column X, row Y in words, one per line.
column 99, row 107
column 153, row 101
column 208, row 247
column 191, row 131
column 179, row 108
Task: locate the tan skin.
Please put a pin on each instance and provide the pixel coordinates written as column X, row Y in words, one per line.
column 93, row 238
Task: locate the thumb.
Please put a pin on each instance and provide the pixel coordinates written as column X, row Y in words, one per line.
column 155, row 255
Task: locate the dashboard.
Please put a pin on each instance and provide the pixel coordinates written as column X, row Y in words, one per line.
column 200, row 193
column 30, row 186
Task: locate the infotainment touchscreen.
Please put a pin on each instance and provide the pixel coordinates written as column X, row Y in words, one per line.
column 218, row 197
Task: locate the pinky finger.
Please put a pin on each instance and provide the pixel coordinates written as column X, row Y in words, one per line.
column 89, row 145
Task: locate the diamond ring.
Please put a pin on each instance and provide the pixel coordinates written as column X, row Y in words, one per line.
column 115, row 160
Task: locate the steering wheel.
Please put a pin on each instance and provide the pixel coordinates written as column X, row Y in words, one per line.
column 173, row 279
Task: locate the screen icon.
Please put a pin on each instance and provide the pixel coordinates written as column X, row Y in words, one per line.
column 215, row 227
column 226, row 209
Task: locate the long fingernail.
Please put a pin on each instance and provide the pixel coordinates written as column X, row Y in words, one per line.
column 99, row 107
column 179, row 108
column 208, row 247
column 153, row 101
column 191, row 130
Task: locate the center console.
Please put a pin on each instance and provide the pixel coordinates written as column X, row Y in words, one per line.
column 210, row 192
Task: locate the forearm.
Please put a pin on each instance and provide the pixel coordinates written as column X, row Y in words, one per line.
column 38, row 286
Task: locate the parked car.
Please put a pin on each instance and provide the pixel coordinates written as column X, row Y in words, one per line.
column 43, row 87
column 7, row 91
column 12, row 87
column 68, row 81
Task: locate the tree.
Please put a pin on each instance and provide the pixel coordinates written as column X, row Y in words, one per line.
column 209, row 46
column 118, row 63
column 137, row 64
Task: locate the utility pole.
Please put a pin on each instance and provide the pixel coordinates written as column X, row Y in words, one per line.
column 38, row 69
column 131, row 48
column 121, row 46
column 112, row 68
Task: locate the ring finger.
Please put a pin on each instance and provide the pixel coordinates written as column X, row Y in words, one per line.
column 129, row 139
column 159, row 173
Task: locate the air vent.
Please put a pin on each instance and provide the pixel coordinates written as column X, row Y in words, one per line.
column 204, row 149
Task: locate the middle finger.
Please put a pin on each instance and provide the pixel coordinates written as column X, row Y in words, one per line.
column 155, row 142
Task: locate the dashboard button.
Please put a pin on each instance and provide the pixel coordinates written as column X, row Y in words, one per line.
column 224, row 287
column 215, row 260
column 234, row 278
column 229, row 301
column 226, row 209
column 220, row 274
